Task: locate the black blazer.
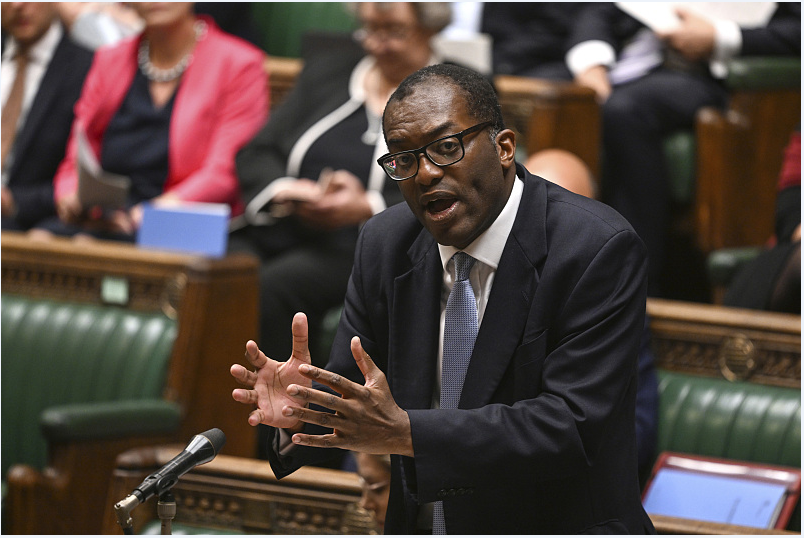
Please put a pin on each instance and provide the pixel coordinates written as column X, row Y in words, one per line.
column 543, row 441
column 39, row 146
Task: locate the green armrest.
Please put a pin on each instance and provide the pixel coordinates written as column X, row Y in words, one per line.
column 764, row 73
column 723, row 264
column 104, row 420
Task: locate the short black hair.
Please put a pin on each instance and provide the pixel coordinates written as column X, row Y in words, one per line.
column 480, row 96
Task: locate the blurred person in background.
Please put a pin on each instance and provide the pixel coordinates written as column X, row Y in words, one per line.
column 43, row 72
column 375, row 479
column 168, row 108
column 651, row 83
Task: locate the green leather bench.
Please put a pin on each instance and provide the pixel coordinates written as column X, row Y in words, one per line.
column 80, row 371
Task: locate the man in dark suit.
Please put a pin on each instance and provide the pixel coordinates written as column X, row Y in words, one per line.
column 54, row 74
column 542, row 438
column 653, row 83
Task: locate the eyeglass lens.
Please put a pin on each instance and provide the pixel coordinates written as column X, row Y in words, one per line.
column 441, row 152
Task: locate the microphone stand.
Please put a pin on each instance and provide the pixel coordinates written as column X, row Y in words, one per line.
column 166, row 510
column 123, row 510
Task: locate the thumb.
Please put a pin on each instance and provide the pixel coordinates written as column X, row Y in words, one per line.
column 301, row 342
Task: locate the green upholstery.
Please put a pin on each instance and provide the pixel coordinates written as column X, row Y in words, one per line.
column 764, row 73
column 283, row 24
column 80, row 371
column 680, row 156
column 734, row 420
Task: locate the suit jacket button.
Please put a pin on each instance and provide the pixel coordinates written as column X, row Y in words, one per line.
column 461, row 491
column 442, row 493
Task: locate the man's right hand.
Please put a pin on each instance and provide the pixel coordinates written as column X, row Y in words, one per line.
column 267, row 386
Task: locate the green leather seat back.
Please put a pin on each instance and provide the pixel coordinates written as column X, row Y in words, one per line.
column 680, row 157
column 57, row 353
column 283, row 24
column 734, row 420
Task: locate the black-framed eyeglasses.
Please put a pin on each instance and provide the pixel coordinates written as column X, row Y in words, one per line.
column 445, row 151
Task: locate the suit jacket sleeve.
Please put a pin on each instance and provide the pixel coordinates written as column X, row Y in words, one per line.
column 781, row 36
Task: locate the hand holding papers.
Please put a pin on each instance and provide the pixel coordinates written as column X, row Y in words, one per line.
column 97, row 187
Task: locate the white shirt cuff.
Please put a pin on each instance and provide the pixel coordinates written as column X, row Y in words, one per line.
column 589, row 54
column 728, row 42
column 284, row 445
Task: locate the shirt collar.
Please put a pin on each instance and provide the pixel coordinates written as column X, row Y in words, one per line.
column 43, row 50
column 488, row 247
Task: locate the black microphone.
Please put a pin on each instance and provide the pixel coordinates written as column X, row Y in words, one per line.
column 202, row 449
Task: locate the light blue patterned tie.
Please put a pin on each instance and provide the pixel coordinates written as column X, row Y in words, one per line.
column 460, row 331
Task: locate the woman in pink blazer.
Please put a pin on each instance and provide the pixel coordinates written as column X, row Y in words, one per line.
column 169, row 108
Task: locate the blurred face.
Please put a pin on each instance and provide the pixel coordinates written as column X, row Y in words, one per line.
column 376, row 480
column 26, row 21
column 393, row 35
column 162, row 14
column 455, row 203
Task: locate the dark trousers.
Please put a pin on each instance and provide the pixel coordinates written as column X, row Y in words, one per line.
column 635, row 119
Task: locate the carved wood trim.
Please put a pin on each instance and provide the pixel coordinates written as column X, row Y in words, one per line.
column 717, row 341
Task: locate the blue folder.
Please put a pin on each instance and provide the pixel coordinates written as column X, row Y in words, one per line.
column 197, row 228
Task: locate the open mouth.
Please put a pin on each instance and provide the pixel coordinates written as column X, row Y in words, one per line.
column 441, row 208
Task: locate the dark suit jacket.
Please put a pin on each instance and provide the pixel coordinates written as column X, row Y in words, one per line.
column 530, row 35
column 543, row 441
column 40, row 145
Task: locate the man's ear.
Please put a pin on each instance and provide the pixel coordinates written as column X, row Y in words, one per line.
column 506, row 147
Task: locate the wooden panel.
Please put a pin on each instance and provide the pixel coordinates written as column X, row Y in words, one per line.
column 740, row 153
column 243, row 495
column 732, row 343
column 552, row 114
column 282, row 74
column 679, row 526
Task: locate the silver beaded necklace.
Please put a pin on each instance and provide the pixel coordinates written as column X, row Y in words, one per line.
column 156, row 74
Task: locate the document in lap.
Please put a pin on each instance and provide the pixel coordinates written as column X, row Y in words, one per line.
column 661, row 15
column 97, row 187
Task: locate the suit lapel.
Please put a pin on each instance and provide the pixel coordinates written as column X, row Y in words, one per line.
column 415, row 326
column 511, row 296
